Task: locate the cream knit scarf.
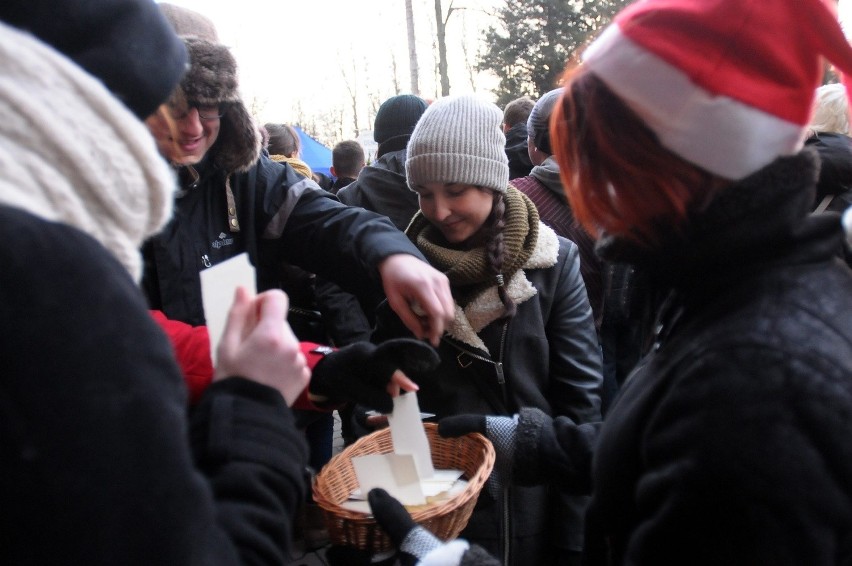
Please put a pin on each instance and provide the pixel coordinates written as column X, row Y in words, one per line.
column 530, row 245
column 70, row 152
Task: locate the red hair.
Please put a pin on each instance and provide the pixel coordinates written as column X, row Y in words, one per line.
column 617, row 177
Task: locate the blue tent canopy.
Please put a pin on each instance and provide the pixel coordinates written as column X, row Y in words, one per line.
column 315, row 154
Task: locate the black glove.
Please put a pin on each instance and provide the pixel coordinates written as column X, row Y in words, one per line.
column 413, row 541
column 360, row 372
column 501, row 431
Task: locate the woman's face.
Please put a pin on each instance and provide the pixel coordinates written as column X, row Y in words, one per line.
column 459, row 211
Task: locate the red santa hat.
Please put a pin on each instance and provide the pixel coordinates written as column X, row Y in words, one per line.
column 726, row 84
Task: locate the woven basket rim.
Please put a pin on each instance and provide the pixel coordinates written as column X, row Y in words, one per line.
column 443, row 509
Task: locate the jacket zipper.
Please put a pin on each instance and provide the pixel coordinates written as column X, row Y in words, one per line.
column 501, row 380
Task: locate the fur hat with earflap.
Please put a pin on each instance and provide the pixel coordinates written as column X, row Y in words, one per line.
column 211, row 80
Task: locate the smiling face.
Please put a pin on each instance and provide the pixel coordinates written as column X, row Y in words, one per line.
column 194, row 133
column 459, row 211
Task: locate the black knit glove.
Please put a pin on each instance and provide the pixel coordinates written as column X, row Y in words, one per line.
column 360, row 372
column 501, row 431
column 415, row 543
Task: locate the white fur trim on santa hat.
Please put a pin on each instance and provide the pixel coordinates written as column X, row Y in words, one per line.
column 717, row 133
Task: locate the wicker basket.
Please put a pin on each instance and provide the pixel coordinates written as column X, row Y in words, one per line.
column 472, row 453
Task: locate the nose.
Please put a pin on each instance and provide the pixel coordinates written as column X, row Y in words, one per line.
column 442, row 208
column 190, row 125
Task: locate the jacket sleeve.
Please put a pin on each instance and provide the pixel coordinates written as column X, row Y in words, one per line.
column 575, row 380
column 310, row 228
column 192, row 350
column 555, row 451
column 575, row 361
column 101, row 463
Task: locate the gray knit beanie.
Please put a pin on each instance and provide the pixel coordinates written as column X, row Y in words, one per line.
column 538, row 124
column 459, row 140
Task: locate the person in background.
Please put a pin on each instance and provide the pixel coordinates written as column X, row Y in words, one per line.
column 544, row 187
column 324, row 181
column 233, row 199
column 347, row 158
column 523, row 334
column 729, row 443
column 515, row 116
column 828, row 133
column 380, row 187
column 101, row 463
column 284, row 146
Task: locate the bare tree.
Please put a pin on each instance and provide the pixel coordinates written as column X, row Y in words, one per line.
column 350, row 81
column 395, row 77
column 412, row 49
column 256, row 106
column 469, row 65
column 441, row 36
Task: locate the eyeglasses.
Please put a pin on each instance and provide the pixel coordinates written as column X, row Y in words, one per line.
column 206, row 112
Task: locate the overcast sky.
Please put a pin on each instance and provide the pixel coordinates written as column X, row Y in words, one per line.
column 303, row 55
column 299, row 58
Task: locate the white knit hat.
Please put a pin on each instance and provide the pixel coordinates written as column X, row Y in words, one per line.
column 459, row 140
column 726, row 84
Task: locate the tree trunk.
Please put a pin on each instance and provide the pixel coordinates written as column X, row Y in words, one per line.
column 441, row 25
column 412, row 49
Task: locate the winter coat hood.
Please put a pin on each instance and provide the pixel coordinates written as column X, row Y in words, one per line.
column 548, row 174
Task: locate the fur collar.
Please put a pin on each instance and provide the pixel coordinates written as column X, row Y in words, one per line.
column 486, row 307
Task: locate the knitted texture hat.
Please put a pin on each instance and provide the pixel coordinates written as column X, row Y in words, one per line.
column 727, row 85
column 126, row 44
column 70, row 152
column 459, row 140
column 397, row 116
column 538, row 124
column 189, row 23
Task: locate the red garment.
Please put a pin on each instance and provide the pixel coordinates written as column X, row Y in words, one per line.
column 192, row 349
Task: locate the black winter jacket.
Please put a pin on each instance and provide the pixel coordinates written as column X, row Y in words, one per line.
column 730, row 442
column 282, row 217
column 100, row 465
column 381, row 187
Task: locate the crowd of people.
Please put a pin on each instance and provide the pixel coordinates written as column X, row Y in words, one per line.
column 638, row 287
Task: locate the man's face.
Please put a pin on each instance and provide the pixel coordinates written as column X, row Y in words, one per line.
column 195, row 131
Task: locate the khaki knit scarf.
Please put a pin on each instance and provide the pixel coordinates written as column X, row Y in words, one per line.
column 469, row 271
column 300, row 166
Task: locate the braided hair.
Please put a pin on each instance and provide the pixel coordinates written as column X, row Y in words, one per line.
column 495, row 252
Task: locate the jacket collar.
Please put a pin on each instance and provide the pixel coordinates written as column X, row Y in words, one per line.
column 761, row 219
column 486, row 307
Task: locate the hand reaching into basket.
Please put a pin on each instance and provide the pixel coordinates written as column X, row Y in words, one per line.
column 371, row 374
column 550, row 450
column 417, row 545
column 501, row 431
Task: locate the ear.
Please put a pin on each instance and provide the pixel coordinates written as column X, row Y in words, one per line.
column 331, row 170
column 537, row 156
